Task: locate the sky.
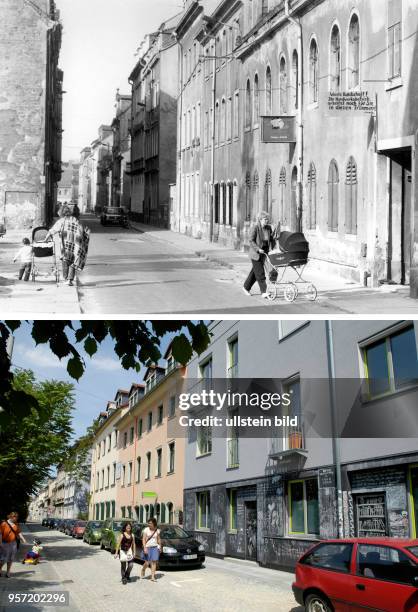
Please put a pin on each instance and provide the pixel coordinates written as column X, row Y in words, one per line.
column 103, row 376
column 100, row 39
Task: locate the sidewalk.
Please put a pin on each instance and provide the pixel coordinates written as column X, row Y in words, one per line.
column 40, row 297
column 32, row 579
column 337, row 291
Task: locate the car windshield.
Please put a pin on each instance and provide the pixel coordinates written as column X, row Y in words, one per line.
column 413, row 550
column 113, row 210
column 81, row 523
column 95, row 525
column 117, row 525
column 173, row 532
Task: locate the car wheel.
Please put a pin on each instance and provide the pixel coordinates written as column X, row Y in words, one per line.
column 317, row 603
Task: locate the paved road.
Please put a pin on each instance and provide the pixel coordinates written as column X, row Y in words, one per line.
column 132, row 272
column 92, row 578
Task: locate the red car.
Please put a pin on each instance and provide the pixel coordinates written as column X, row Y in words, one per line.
column 79, row 529
column 359, row 574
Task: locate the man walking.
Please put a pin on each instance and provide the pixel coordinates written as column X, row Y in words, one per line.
column 10, row 538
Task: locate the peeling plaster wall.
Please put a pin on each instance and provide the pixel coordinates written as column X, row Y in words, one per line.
column 23, row 56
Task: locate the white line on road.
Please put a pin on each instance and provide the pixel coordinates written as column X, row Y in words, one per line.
column 179, row 582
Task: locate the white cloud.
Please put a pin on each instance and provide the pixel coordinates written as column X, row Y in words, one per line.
column 104, row 363
column 38, row 356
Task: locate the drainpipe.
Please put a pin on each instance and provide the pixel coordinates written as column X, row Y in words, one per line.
column 299, row 120
column 180, row 131
column 212, row 161
column 335, row 439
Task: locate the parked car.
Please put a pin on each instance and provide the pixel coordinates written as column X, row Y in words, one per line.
column 111, row 529
column 69, row 526
column 113, row 215
column 45, row 522
column 93, row 532
column 358, row 574
column 78, row 529
column 52, row 524
column 178, row 548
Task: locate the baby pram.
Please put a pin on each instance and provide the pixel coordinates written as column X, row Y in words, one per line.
column 292, row 254
column 43, row 255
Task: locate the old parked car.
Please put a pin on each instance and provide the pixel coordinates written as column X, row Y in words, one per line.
column 69, row 526
column 179, row 548
column 45, row 522
column 93, row 532
column 113, row 215
column 111, row 529
column 78, row 529
column 358, row 574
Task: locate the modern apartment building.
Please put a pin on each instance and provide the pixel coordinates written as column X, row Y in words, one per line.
column 150, row 480
column 269, row 498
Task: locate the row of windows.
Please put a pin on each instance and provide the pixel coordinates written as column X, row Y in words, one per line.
column 129, row 436
column 107, row 478
column 163, row 512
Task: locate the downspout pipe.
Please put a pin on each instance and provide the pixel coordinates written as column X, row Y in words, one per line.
column 299, row 115
column 180, row 130
column 334, row 421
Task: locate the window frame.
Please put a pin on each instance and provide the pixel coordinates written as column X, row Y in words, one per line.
column 304, row 533
column 233, row 493
column 200, row 495
column 388, row 546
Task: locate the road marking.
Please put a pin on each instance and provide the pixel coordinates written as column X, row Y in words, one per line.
column 178, row 583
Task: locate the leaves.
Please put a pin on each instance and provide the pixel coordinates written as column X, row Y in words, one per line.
column 90, row 346
column 182, row 350
column 75, row 368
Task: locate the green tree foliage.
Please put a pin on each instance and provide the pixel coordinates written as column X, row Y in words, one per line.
column 30, row 445
column 136, row 343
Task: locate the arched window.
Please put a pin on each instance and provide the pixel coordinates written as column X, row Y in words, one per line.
column 295, row 79
column 269, row 101
column 335, row 59
column 230, row 204
column 313, row 72
column 283, row 87
column 294, row 201
column 312, row 196
column 267, row 192
column 217, row 123
column 256, row 114
column 255, row 202
column 248, row 104
column 223, row 193
column 217, row 203
column 282, row 188
column 170, row 512
column 354, row 53
column 158, row 512
column 351, row 197
column 223, row 120
column 248, row 196
column 333, row 189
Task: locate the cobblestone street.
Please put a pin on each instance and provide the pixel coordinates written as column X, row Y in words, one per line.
column 92, row 578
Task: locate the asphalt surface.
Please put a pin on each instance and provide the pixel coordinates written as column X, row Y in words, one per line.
column 92, row 579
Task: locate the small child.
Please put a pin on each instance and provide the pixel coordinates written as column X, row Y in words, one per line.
column 32, row 556
column 25, row 257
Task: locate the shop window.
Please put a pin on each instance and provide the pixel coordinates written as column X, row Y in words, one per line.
column 335, row 557
column 333, row 195
column 335, row 59
column 385, row 563
column 313, row 72
column 390, row 363
column 233, row 510
column 203, row 510
column 303, row 507
column 354, row 53
column 312, row 196
column 351, row 197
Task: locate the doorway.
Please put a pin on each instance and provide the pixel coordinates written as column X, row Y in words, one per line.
column 251, row 530
column 399, row 218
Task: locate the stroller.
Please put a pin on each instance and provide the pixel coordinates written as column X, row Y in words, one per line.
column 43, row 253
column 294, row 251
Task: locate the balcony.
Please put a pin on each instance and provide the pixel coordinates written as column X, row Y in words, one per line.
column 289, row 450
column 233, row 454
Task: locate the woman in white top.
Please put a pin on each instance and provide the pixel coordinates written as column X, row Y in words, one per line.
column 151, row 546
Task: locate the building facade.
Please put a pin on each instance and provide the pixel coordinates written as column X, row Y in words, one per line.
column 68, row 186
column 101, row 169
column 84, row 180
column 104, row 462
column 121, row 180
column 291, row 80
column 268, row 498
column 151, row 457
column 154, row 120
column 30, row 112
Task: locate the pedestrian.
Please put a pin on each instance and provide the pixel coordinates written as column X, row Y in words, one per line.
column 10, row 538
column 24, row 255
column 262, row 240
column 125, row 550
column 74, row 241
column 151, row 546
column 76, row 211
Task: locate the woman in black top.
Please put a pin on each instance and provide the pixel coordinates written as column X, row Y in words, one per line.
column 125, row 550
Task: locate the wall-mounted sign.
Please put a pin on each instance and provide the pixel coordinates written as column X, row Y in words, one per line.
column 350, row 102
column 278, row 129
column 371, row 515
column 148, row 494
